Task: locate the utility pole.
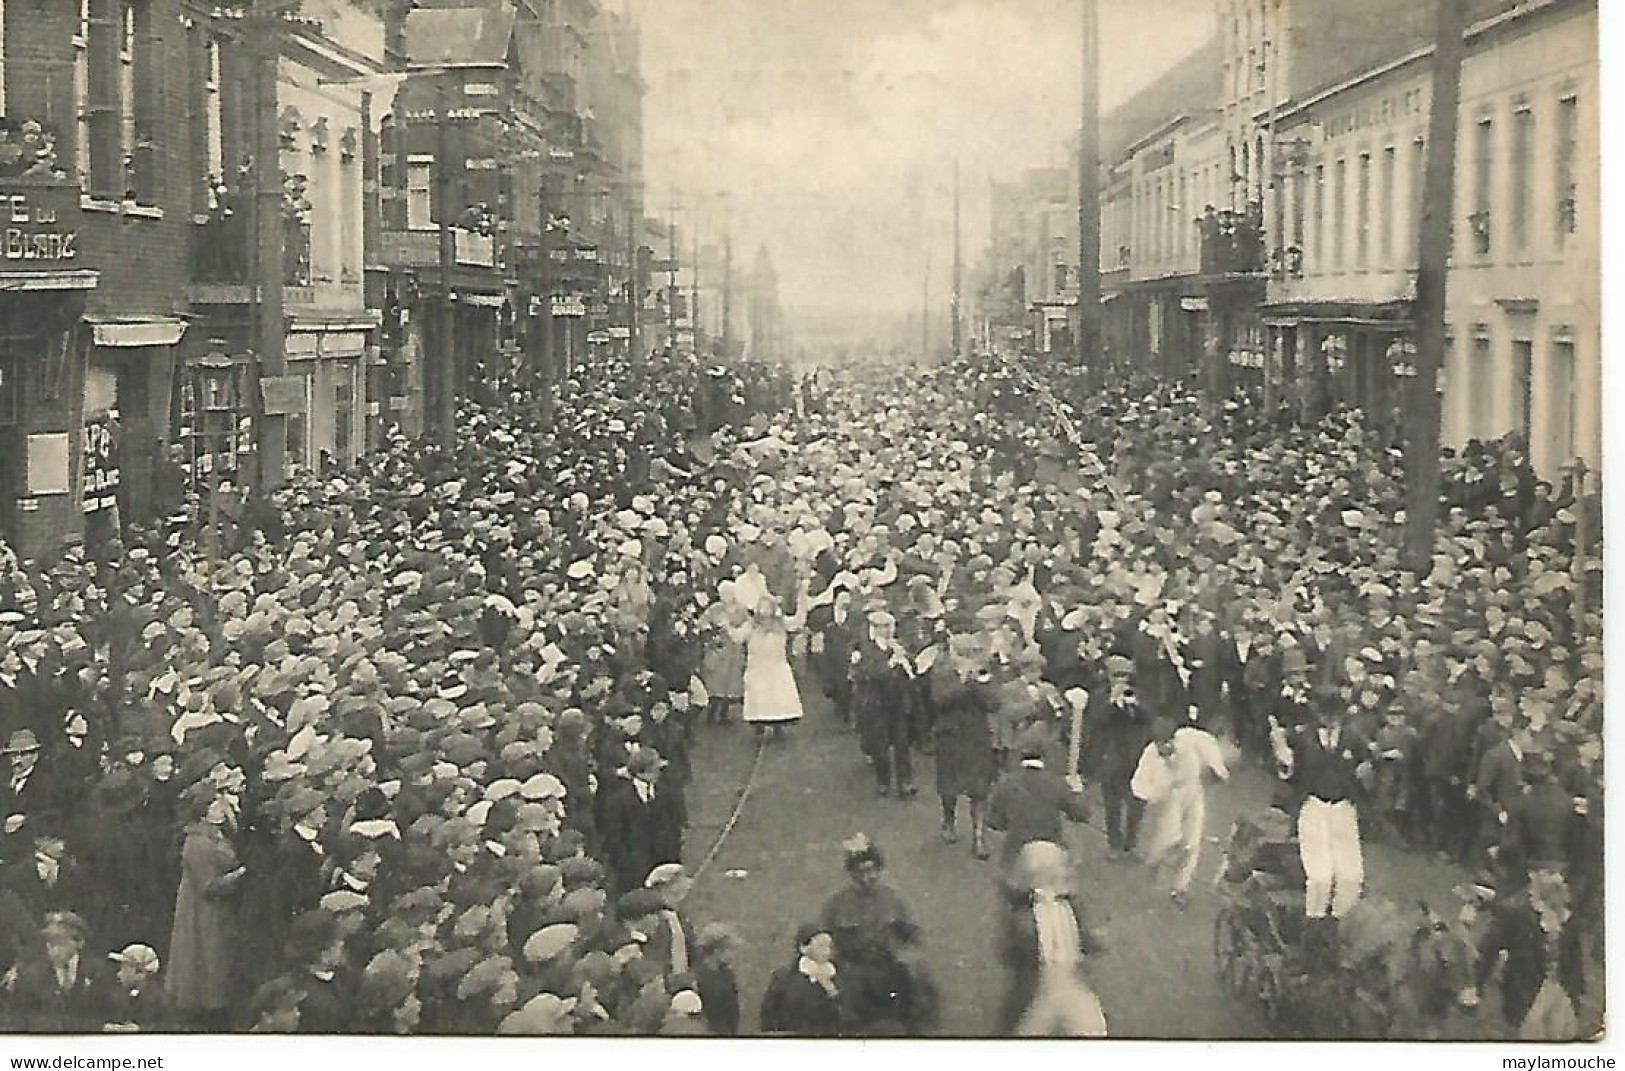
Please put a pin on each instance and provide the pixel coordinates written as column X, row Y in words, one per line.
column 671, row 276
column 543, row 376
column 956, row 324
column 1438, row 210
column 443, row 385
column 634, row 280
column 267, row 293
column 694, row 294
column 727, row 289
column 925, row 311
column 1088, row 341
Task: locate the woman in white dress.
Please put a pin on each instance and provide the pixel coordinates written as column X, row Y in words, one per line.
column 772, row 700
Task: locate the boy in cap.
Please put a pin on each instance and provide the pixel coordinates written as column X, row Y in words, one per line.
column 136, row 1001
column 670, row 941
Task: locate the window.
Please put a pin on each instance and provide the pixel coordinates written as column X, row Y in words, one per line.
column 1418, row 181
column 419, row 193
column 126, row 99
column 1523, row 359
column 1483, row 176
column 1320, row 216
column 1300, row 193
column 344, row 393
column 1481, row 404
column 81, row 98
column 1363, row 208
column 1385, row 202
column 1340, row 185
column 349, row 193
column 211, row 110
column 1568, row 128
column 1523, row 147
column 1564, row 405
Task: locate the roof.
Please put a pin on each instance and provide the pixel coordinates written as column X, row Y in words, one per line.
column 1192, row 83
column 1333, row 40
column 459, row 36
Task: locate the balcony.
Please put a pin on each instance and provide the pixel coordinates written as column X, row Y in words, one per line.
column 1232, row 242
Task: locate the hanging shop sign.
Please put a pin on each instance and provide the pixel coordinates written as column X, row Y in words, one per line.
column 598, row 337
column 568, row 306
column 41, row 225
column 620, row 332
column 101, row 473
column 282, row 395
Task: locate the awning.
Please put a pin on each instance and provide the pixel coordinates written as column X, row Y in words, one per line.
column 48, row 280
column 150, row 331
column 484, row 301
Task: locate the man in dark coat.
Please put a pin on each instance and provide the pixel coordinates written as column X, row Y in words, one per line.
column 640, row 827
column 1033, row 803
column 1120, row 736
column 1499, row 781
column 880, row 706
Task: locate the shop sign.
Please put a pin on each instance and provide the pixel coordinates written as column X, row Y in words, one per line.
column 598, row 337
column 41, row 225
column 101, row 474
column 476, row 250
column 598, row 308
column 282, row 395
column 1193, row 304
column 572, row 307
column 48, row 463
column 620, row 332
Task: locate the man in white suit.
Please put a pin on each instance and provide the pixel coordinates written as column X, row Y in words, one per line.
column 1172, row 779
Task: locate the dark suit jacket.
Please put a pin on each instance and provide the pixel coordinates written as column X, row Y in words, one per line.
column 1031, row 804
column 1500, row 777
column 639, row 836
column 795, row 1004
column 38, row 1003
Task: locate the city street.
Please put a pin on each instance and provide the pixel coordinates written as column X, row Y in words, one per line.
column 814, row 791
column 447, row 447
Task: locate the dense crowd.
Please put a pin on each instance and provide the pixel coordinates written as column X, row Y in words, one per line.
column 426, row 725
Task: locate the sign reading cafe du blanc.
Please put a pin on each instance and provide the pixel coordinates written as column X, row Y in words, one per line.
column 40, row 223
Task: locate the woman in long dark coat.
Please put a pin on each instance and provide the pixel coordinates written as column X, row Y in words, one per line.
column 199, row 982
column 966, row 764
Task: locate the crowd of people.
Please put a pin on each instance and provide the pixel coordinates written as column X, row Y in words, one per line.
column 427, row 725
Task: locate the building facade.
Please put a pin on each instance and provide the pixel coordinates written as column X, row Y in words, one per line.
column 1522, row 290
column 93, row 310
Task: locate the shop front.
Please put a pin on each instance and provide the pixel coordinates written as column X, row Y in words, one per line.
column 43, row 344
column 327, row 372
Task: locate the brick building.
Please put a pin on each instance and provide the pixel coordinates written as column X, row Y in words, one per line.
column 92, row 290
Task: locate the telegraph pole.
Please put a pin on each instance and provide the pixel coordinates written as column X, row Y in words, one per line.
column 727, row 289
column 1088, row 341
column 1438, row 208
column 956, row 324
column 671, row 276
column 925, row 310
column 267, row 293
column 443, row 393
column 694, row 293
column 634, row 281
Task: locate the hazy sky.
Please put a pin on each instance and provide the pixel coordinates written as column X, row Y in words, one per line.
column 833, row 125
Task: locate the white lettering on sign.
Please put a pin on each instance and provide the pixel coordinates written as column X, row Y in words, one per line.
column 22, row 245
column 22, row 213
